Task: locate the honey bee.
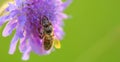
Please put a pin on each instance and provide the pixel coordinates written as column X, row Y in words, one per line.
column 47, row 34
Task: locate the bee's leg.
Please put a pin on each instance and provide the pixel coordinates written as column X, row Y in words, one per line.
column 57, row 43
column 41, row 33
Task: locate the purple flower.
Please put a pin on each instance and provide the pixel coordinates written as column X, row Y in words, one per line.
column 25, row 16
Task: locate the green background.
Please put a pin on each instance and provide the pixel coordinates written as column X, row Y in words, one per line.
column 92, row 35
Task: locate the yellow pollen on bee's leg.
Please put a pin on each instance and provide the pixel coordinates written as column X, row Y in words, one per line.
column 57, row 44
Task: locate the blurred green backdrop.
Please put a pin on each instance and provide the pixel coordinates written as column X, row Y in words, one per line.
column 92, row 35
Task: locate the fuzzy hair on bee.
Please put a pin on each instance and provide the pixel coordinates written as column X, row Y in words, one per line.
column 47, row 34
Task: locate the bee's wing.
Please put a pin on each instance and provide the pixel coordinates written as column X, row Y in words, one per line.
column 57, row 43
column 4, row 6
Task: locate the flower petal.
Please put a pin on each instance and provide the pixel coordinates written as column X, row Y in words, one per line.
column 19, row 32
column 10, row 7
column 35, row 45
column 19, row 3
column 23, row 43
column 9, row 28
column 67, row 3
column 20, row 27
column 58, row 32
column 6, row 18
column 14, row 13
column 21, row 20
column 13, row 44
column 3, row 19
column 26, row 54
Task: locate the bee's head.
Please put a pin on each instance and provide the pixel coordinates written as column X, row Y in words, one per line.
column 45, row 21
